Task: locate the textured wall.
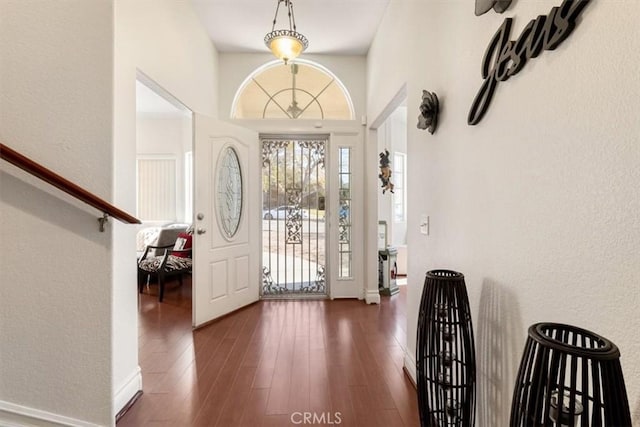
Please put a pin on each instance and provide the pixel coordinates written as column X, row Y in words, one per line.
column 538, row 204
column 69, row 325
column 55, row 303
column 164, row 40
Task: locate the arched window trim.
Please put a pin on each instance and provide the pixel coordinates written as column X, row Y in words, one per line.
column 278, row 62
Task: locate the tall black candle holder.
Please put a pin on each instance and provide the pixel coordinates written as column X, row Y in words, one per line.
column 569, row 377
column 445, row 352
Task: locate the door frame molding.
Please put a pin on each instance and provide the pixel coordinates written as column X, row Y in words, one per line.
column 329, row 127
column 371, row 196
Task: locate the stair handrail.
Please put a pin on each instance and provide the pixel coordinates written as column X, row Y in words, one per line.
column 48, row 176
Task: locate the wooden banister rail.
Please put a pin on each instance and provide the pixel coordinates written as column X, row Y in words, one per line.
column 67, row 186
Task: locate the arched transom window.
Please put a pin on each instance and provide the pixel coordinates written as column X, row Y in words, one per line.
column 300, row 90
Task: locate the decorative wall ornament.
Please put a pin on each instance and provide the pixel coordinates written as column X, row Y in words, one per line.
column 428, row 118
column 385, row 172
column 504, row 58
column 484, row 6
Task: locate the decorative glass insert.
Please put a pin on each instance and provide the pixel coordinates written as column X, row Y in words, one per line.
column 300, row 90
column 345, row 251
column 229, row 192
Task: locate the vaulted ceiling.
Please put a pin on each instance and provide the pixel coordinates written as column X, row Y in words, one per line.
column 342, row 27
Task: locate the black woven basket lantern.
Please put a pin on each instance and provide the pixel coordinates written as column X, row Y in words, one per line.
column 569, row 377
column 445, row 352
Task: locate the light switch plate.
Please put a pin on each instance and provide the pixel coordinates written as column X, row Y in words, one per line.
column 424, row 224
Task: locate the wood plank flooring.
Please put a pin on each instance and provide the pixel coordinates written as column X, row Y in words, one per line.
column 273, row 364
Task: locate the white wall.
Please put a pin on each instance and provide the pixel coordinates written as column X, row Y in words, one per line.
column 55, row 304
column 164, row 40
column 538, row 204
column 236, row 67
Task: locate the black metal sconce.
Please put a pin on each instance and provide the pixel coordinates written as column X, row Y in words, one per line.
column 445, row 359
column 569, row 377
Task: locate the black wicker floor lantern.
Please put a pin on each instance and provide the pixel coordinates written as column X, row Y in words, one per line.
column 445, row 352
column 569, row 377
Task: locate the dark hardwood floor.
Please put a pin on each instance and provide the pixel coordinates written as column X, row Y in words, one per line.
column 273, row 364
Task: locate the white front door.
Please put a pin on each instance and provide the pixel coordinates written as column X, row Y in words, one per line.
column 227, row 218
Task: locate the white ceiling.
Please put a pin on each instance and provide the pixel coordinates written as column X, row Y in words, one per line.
column 343, row 27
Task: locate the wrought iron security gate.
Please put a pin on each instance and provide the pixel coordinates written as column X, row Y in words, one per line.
column 293, row 227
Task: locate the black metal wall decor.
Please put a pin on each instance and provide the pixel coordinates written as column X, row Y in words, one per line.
column 504, row 58
column 428, row 118
column 445, row 352
column 484, row 6
column 569, row 377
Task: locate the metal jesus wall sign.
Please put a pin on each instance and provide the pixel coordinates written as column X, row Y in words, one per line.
column 505, row 58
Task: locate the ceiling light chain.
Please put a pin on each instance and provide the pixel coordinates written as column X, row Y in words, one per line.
column 275, row 17
column 292, row 18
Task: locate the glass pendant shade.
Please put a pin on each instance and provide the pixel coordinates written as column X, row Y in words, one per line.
column 286, row 44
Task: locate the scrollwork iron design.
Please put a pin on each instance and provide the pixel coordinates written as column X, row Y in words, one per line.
column 269, row 287
column 317, row 150
column 293, row 218
column 269, row 147
column 319, row 285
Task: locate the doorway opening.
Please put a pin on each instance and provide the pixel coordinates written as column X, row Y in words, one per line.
column 164, row 186
column 393, row 206
column 293, row 216
column 390, row 140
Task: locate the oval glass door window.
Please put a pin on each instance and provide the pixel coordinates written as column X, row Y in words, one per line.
column 229, row 192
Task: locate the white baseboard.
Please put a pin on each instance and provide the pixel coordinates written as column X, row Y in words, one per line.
column 410, row 366
column 372, row 297
column 129, row 388
column 12, row 415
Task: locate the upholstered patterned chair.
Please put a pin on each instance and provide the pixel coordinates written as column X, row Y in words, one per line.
column 169, row 256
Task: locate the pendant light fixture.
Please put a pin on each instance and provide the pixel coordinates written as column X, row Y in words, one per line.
column 286, row 44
